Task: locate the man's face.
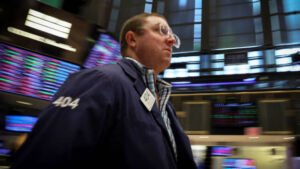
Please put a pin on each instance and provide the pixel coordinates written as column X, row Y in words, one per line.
column 153, row 46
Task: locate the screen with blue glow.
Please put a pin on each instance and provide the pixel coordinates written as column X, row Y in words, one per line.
column 221, row 151
column 241, row 163
column 19, row 123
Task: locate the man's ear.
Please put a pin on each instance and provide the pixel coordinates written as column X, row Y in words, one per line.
column 130, row 39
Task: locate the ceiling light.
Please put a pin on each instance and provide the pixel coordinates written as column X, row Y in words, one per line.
column 25, row 103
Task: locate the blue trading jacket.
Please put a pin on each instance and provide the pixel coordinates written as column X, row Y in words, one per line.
column 97, row 119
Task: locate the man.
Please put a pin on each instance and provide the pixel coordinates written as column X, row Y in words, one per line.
column 115, row 116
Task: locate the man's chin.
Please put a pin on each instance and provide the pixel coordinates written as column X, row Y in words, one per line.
column 165, row 66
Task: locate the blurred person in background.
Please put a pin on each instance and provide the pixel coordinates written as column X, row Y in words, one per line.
column 116, row 116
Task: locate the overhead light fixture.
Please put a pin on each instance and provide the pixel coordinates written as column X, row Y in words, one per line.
column 289, row 138
column 214, row 84
column 41, row 39
column 25, row 103
column 48, row 24
column 203, row 137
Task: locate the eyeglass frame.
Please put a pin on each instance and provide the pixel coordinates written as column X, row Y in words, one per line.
column 167, row 31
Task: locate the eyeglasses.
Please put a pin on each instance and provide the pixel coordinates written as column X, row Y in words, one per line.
column 166, row 31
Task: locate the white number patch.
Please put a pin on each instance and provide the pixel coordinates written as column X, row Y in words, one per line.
column 66, row 101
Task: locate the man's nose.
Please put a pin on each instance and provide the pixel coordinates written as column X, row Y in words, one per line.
column 171, row 40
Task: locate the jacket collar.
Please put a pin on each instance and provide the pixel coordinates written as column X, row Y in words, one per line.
column 131, row 69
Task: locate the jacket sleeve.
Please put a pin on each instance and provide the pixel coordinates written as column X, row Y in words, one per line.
column 73, row 127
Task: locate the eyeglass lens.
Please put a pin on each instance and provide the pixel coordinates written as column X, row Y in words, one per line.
column 167, row 31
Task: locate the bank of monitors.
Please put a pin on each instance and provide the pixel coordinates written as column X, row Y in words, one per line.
column 19, row 123
column 106, row 50
column 31, row 74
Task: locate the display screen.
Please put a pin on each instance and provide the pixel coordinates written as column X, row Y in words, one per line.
column 238, row 163
column 296, row 57
column 233, row 117
column 221, row 151
column 234, row 114
column 236, row 58
column 4, row 151
column 105, row 51
column 19, row 123
column 31, row 74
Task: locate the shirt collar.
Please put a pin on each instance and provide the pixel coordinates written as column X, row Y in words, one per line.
column 144, row 70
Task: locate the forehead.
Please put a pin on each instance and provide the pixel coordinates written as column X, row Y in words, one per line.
column 155, row 20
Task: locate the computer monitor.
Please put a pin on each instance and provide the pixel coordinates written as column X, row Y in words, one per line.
column 106, row 50
column 20, row 123
column 233, row 116
column 238, row 163
column 221, row 151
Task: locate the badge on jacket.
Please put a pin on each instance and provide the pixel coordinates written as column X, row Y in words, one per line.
column 148, row 99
